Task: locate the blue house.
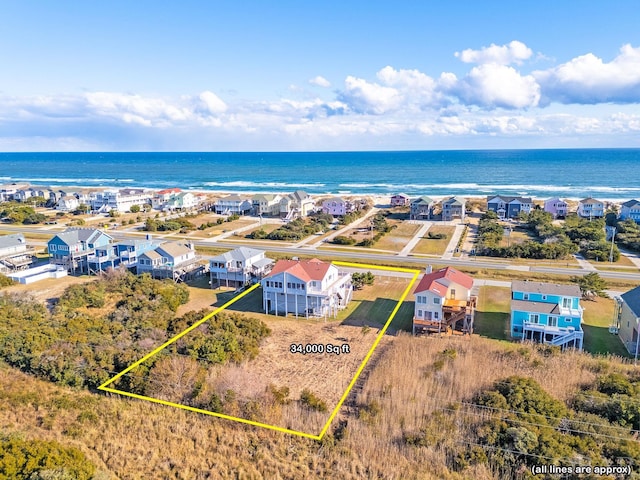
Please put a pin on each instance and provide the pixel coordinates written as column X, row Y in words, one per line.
column 124, row 253
column 73, row 247
column 509, row 207
column 547, row 313
column 630, row 209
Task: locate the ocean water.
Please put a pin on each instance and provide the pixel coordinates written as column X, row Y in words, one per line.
column 569, row 173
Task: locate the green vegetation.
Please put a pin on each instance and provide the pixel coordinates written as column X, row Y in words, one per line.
column 42, row 460
column 628, row 234
column 5, row 281
column 359, row 280
column 343, row 240
column 436, row 236
column 297, row 229
column 591, row 285
column 380, row 226
column 15, row 212
column 520, row 423
column 102, row 327
column 134, row 208
column 180, row 223
column 310, row 400
column 552, row 242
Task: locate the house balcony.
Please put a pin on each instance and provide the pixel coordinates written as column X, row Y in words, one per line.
column 571, row 312
column 542, row 328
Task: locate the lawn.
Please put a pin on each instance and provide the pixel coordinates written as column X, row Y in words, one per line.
column 432, row 246
column 267, row 227
column 597, row 317
column 493, row 313
column 397, row 238
column 517, row 235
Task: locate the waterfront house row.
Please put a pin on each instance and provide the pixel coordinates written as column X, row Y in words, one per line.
column 451, row 208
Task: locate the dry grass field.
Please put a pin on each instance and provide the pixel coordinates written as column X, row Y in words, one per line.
column 397, row 238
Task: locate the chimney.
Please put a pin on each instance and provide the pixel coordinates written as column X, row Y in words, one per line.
column 428, row 269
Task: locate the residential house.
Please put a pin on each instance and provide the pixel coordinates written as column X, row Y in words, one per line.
column 68, row 203
column 266, row 204
column 626, row 321
column 590, row 208
column 296, row 204
column 453, row 208
column 630, row 209
column 170, row 260
column 233, row 205
column 120, row 200
column 161, row 197
column 239, row 267
column 546, row 313
column 400, row 200
column 123, row 253
column 306, row 288
column 9, row 191
column 556, row 207
column 509, row 207
column 182, row 201
column 15, row 254
column 442, row 299
column 72, row 247
column 421, row 208
column 336, row 206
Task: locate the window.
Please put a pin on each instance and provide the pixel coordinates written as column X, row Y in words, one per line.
column 436, row 300
column 566, row 303
column 544, row 297
column 553, row 321
column 419, row 313
column 435, row 315
column 453, row 293
column 525, row 296
column 534, row 318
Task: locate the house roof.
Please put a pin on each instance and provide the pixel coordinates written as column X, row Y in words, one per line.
column 151, row 254
column 263, row 262
column 8, row 241
column 401, row 195
column 234, row 198
column 509, row 199
column 305, row 270
column 240, row 254
column 535, row 307
column 556, row 199
column 632, row 299
column 631, row 203
column 422, row 200
column 334, row 199
column 168, row 190
column 174, row 249
column 439, row 281
column 454, row 201
column 589, row 200
column 267, row 197
column 299, row 195
column 545, row 288
column 73, row 236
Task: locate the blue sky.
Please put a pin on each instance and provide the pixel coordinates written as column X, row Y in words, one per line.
column 287, row 75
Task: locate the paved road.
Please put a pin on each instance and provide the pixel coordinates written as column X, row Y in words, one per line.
column 369, row 256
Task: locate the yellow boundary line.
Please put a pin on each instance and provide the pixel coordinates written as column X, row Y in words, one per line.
column 104, row 387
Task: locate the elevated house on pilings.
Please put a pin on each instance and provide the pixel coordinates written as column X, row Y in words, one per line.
column 73, row 247
column 547, row 313
column 306, row 288
column 15, row 254
column 174, row 260
column 443, row 300
column 239, row 267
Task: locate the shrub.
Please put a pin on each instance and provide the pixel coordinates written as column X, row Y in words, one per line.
column 310, row 400
column 343, row 240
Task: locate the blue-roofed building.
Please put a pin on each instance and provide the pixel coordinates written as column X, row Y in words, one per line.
column 547, row 313
column 630, row 209
column 72, row 247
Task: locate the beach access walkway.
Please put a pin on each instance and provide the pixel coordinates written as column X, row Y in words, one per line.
column 584, row 264
column 453, row 243
column 416, row 238
column 341, row 231
column 633, row 257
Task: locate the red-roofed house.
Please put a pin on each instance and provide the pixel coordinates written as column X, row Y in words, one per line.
column 161, row 197
column 443, row 298
column 306, row 288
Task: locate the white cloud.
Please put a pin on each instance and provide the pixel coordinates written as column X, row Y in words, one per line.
column 213, row 104
column 513, row 52
column 369, row 98
column 320, row 81
column 588, row 80
column 493, row 85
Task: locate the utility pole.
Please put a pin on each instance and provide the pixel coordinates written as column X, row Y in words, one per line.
column 613, row 237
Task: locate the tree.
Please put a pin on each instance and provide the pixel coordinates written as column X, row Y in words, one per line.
column 591, row 285
column 114, row 213
column 359, row 280
column 134, row 208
